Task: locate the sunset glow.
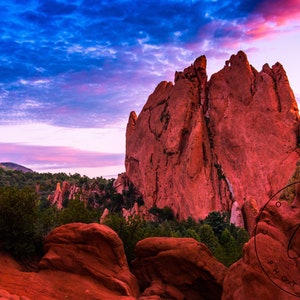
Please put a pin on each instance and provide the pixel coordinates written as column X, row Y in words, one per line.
column 72, row 70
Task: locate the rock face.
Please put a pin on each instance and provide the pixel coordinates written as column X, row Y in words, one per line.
column 198, row 146
column 270, row 267
column 176, row 268
column 250, row 212
column 90, row 249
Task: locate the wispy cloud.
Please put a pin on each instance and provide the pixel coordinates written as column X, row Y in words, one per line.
column 87, row 64
column 57, row 158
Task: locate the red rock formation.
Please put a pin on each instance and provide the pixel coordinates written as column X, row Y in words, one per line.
column 121, row 183
column 92, row 250
column 250, row 212
column 177, row 268
column 270, row 267
column 48, row 284
column 198, row 146
column 253, row 121
column 59, row 194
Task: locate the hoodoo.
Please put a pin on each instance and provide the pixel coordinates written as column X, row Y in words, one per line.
column 198, row 146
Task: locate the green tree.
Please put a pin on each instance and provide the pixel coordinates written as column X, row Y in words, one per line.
column 162, row 214
column 77, row 212
column 130, row 232
column 18, row 216
column 192, row 234
column 227, row 252
column 218, row 222
column 207, row 237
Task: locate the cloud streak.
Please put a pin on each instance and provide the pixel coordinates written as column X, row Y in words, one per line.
column 56, row 157
column 87, row 64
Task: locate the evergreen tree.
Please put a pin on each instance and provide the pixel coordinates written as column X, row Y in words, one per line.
column 207, row 237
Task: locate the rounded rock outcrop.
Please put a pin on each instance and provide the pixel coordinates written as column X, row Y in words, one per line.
column 180, row 268
column 93, row 250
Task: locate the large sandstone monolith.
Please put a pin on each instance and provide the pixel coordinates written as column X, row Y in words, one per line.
column 254, row 122
column 177, row 268
column 198, row 146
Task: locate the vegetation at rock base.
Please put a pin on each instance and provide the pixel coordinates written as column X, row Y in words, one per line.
column 26, row 217
column 226, row 245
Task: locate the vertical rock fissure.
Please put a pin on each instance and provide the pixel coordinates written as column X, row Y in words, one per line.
column 197, row 131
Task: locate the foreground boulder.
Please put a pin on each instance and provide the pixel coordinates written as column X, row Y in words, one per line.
column 82, row 261
column 270, row 267
column 177, row 268
column 92, row 250
column 197, row 146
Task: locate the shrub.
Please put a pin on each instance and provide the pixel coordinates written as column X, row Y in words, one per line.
column 18, row 216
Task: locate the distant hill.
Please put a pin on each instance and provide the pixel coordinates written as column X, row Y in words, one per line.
column 13, row 166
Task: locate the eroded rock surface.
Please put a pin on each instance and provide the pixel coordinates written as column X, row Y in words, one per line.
column 177, row 268
column 270, row 266
column 198, row 146
column 82, row 261
column 17, row 284
column 90, row 249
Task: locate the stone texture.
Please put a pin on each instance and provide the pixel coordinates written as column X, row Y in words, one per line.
column 90, row 249
column 177, row 268
column 50, row 284
column 270, row 266
column 253, row 121
column 198, row 146
column 250, row 212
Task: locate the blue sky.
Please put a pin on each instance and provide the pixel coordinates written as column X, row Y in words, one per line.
column 71, row 71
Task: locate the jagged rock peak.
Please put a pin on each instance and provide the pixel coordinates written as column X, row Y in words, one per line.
column 198, row 146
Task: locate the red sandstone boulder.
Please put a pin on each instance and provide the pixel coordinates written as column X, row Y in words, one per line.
column 177, row 268
column 198, row 146
column 17, row 284
column 270, row 267
column 92, row 250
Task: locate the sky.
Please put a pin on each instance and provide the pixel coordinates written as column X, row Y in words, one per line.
column 72, row 71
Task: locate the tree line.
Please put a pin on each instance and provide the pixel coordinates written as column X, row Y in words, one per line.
column 26, row 217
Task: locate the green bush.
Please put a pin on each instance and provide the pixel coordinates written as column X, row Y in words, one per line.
column 226, row 244
column 76, row 211
column 208, row 238
column 18, row 217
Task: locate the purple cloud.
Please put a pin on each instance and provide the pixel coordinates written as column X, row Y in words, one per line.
column 55, row 157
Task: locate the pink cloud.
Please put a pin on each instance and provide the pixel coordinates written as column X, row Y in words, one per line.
column 272, row 18
column 279, row 11
column 57, row 157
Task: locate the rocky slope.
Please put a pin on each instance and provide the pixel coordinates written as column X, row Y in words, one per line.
column 197, row 146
